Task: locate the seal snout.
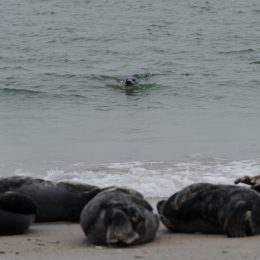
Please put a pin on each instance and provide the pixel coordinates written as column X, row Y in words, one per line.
column 131, row 81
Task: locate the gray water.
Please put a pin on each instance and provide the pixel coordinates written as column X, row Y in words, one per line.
column 66, row 114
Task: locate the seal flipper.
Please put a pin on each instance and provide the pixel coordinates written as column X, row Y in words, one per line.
column 121, row 229
column 134, row 214
column 238, row 222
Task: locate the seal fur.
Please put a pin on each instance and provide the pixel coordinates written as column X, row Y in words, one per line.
column 17, row 213
column 210, row 208
column 253, row 181
column 56, row 201
column 119, row 216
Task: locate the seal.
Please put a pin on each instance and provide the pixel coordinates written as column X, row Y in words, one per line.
column 210, row 208
column 119, row 216
column 56, row 201
column 253, row 181
column 130, row 81
column 17, row 213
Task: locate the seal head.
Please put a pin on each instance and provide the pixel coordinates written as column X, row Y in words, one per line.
column 17, row 213
column 131, row 81
column 253, row 181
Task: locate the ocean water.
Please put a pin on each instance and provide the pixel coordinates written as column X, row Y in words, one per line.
column 65, row 113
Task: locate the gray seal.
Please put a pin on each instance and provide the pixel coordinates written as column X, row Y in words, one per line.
column 131, row 81
column 210, row 208
column 17, row 213
column 253, row 181
column 56, row 201
column 119, row 216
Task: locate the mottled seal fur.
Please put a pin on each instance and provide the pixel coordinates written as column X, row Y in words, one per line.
column 56, row 201
column 119, row 216
column 130, row 81
column 17, row 213
column 210, row 208
column 253, row 181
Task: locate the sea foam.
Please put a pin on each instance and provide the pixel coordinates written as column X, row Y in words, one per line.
column 155, row 179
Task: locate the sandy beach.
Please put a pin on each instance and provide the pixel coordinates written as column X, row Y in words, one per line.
column 67, row 241
column 64, row 240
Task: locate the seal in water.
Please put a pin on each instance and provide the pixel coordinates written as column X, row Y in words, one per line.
column 210, row 208
column 253, row 181
column 17, row 213
column 56, row 201
column 131, row 81
column 119, row 216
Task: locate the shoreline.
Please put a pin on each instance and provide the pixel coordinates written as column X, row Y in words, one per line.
column 66, row 240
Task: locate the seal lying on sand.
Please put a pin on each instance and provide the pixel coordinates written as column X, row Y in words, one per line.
column 131, row 81
column 119, row 216
column 17, row 213
column 210, row 208
column 56, row 201
column 253, row 181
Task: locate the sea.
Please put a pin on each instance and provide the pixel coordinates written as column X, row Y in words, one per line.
column 65, row 113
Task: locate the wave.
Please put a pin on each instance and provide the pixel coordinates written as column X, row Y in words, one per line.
column 27, row 93
column 256, row 62
column 234, row 52
column 15, row 91
column 155, row 179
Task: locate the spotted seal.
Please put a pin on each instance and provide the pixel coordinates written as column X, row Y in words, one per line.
column 17, row 213
column 210, row 208
column 56, row 201
column 253, row 181
column 130, row 81
column 119, row 216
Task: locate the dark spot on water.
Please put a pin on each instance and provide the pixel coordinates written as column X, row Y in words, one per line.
column 187, row 74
